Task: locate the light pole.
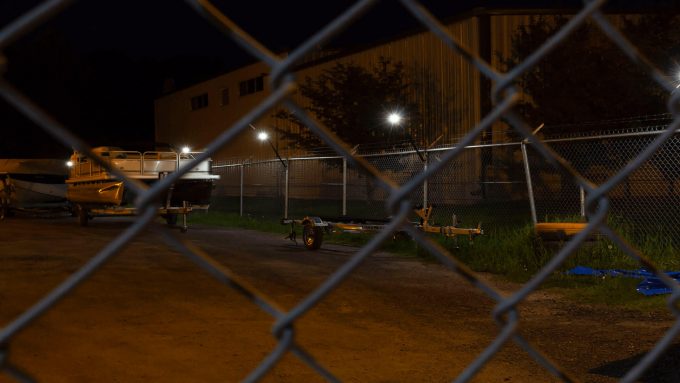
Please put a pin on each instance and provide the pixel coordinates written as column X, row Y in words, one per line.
column 395, row 119
column 263, row 136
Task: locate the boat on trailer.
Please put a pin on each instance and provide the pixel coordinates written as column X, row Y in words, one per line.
column 95, row 191
column 32, row 185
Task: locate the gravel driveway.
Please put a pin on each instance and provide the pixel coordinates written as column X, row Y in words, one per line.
column 152, row 315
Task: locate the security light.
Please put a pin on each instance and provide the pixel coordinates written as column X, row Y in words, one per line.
column 263, row 136
column 186, row 149
column 394, row 118
column 69, row 163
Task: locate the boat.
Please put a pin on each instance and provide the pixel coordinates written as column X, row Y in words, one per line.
column 32, row 184
column 95, row 191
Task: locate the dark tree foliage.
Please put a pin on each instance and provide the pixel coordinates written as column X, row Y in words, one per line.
column 588, row 78
column 354, row 102
column 589, row 84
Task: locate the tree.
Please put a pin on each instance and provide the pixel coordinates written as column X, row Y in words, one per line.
column 588, row 78
column 353, row 102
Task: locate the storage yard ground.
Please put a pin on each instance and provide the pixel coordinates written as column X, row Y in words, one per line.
column 152, row 315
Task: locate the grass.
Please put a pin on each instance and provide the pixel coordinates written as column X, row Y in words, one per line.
column 233, row 220
column 609, row 291
column 271, row 225
column 512, row 251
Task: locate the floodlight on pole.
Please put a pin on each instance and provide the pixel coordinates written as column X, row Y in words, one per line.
column 394, row 118
column 264, row 136
column 186, row 149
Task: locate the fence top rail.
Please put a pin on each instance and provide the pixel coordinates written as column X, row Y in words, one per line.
column 451, row 147
column 608, row 136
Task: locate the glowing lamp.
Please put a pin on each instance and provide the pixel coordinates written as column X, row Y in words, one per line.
column 394, row 118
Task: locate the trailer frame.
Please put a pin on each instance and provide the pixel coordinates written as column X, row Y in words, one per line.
column 170, row 213
column 314, row 227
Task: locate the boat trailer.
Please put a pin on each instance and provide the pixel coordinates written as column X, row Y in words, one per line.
column 313, row 228
column 169, row 213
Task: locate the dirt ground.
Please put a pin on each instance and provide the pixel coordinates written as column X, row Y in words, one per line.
column 152, row 315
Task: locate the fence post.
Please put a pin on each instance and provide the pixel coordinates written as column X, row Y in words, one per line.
column 583, row 201
column 425, row 180
column 241, row 191
column 344, row 186
column 530, row 189
column 285, row 191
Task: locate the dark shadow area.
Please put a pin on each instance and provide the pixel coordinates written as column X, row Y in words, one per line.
column 665, row 370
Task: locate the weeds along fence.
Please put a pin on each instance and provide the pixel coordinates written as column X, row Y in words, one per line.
column 646, row 203
column 636, row 174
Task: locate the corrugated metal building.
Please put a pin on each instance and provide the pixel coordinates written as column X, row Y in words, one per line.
column 459, row 95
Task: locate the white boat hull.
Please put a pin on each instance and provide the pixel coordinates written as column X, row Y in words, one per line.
column 35, row 194
column 33, row 183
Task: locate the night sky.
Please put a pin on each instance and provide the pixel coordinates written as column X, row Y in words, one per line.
column 98, row 66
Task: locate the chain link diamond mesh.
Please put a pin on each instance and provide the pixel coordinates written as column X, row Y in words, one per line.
column 399, row 191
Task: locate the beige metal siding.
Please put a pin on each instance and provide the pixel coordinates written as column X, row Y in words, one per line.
column 177, row 124
column 450, row 90
column 450, row 94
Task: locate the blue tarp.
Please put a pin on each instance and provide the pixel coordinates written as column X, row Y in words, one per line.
column 650, row 285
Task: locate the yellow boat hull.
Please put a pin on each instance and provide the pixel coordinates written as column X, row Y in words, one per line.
column 97, row 193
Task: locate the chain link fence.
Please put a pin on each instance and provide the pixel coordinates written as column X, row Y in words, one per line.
column 397, row 191
column 330, row 188
column 645, row 203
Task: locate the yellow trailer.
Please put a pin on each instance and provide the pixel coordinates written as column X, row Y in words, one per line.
column 313, row 228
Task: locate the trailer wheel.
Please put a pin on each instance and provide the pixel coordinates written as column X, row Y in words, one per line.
column 312, row 236
column 82, row 216
column 400, row 236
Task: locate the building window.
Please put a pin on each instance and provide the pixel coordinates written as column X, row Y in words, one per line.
column 255, row 84
column 199, row 102
column 225, row 97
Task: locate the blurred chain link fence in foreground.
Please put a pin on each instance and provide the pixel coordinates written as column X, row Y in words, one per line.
column 397, row 188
